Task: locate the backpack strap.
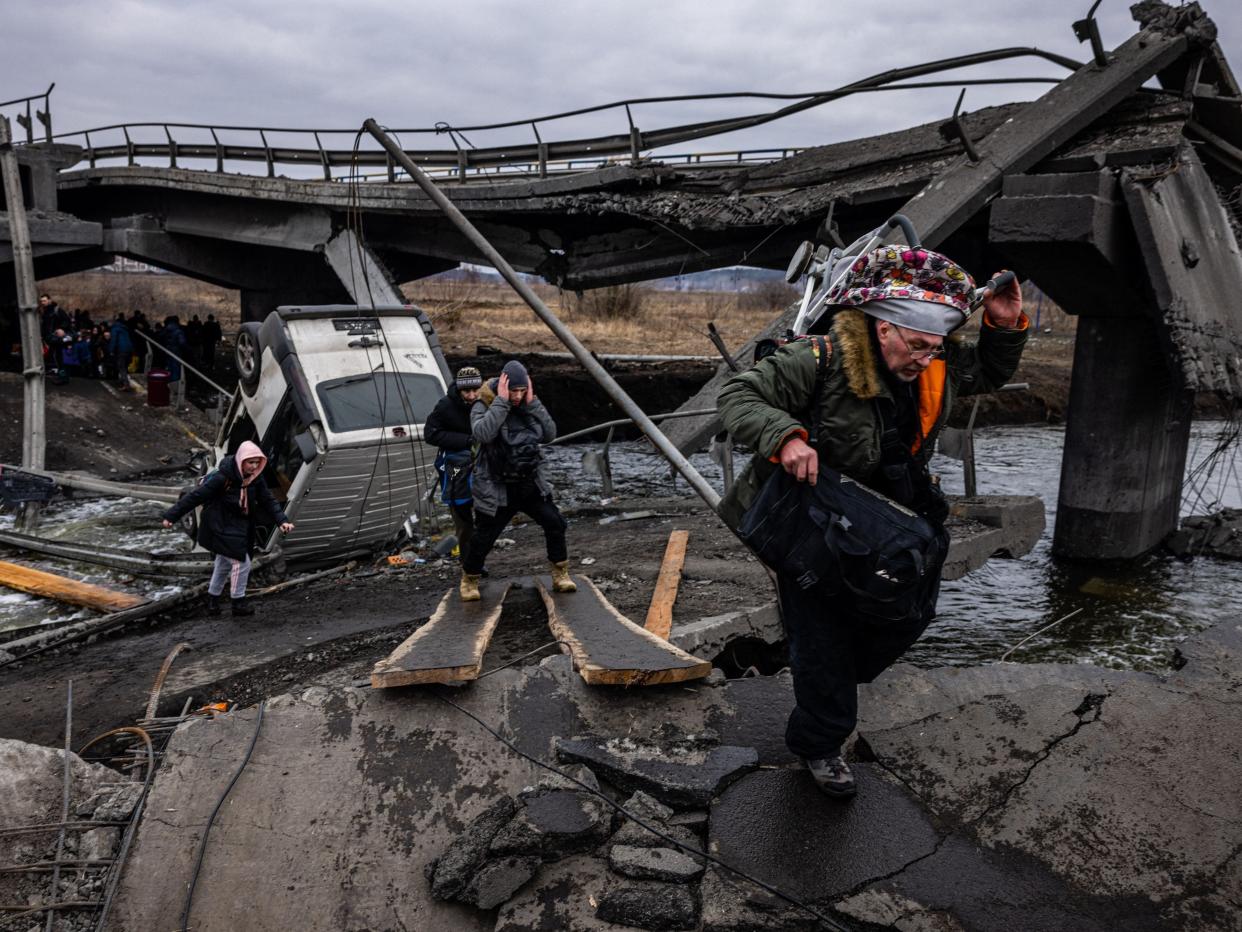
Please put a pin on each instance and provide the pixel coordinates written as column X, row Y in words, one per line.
column 823, row 355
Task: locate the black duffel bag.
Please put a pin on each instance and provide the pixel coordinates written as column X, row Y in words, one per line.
column 849, row 538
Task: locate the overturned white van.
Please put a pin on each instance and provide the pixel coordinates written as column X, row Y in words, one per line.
column 337, row 396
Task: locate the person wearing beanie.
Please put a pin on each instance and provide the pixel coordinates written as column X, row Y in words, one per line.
column 230, row 495
column 448, row 427
column 509, row 424
column 866, row 395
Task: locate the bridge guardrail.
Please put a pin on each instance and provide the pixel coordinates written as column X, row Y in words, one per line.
column 465, row 161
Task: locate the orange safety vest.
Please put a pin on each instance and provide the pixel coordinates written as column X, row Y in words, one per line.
column 931, row 399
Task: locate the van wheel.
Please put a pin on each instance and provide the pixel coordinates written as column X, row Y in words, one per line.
column 249, row 357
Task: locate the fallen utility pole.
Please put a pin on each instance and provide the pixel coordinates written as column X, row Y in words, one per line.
column 34, row 408
column 151, row 493
column 563, row 333
column 137, row 562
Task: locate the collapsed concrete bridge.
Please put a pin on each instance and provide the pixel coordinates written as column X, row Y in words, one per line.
column 1120, row 200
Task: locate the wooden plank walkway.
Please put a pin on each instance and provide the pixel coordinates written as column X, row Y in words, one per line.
column 449, row 648
column 660, row 614
column 63, row 589
column 609, row 649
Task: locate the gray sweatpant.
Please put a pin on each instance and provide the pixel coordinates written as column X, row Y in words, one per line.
column 235, row 572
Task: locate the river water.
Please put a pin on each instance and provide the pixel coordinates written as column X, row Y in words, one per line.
column 1132, row 613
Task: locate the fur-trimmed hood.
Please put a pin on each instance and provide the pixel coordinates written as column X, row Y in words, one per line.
column 851, row 337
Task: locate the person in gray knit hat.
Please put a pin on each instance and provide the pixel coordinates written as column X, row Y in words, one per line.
column 448, row 427
column 509, row 424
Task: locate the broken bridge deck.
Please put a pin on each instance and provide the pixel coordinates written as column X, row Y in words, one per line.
column 449, row 648
column 609, row 649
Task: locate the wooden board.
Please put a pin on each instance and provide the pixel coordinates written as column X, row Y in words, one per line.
column 609, row 649
column 63, row 589
column 449, row 648
column 660, row 614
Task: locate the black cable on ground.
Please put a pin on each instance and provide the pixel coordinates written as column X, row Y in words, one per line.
column 202, row 844
column 515, row 660
column 617, row 807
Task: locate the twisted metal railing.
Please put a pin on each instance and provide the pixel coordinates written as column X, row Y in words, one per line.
column 27, row 114
column 320, row 148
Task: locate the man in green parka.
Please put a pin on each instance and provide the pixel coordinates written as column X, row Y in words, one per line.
column 890, row 379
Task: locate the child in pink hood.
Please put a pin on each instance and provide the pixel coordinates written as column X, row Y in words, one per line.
column 227, row 527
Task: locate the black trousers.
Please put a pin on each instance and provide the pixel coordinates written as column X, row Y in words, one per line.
column 526, row 499
column 463, row 525
column 831, row 651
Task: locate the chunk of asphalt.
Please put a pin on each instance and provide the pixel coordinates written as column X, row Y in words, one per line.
column 452, row 871
column 680, row 775
column 634, row 835
column 650, row 905
column 654, row 864
column 655, row 814
column 556, row 782
column 644, row 807
column 552, row 825
column 497, row 880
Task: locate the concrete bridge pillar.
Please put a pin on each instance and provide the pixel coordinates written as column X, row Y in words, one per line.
column 1126, row 437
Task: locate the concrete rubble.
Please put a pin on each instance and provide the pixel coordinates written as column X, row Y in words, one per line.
column 31, row 788
column 1023, row 797
column 1215, row 535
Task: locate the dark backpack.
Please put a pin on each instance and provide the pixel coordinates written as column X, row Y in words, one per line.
column 850, row 538
column 515, row 455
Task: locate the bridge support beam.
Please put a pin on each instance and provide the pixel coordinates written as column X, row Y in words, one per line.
column 1126, row 437
column 361, row 271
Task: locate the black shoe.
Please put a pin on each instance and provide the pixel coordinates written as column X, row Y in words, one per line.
column 240, row 608
column 832, row 775
column 213, row 605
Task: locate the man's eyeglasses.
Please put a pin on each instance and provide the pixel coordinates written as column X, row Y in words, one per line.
column 920, row 354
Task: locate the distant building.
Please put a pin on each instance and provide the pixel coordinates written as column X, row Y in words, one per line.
column 122, row 264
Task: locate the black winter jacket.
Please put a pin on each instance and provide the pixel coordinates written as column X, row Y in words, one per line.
column 448, row 424
column 223, row 527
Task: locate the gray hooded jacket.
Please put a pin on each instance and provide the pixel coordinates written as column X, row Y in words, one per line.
column 486, row 418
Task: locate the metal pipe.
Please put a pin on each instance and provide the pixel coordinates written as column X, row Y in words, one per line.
column 64, row 812
column 565, row 438
column 103, row 486
column 563, row 333
column 34, row 406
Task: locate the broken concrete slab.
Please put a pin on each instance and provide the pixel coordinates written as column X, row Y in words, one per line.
column 994, row 745
column 664, row 864
column 452, row 871
column 499, row 879
column 777, row 826
column 946, row 891
column 552, row 825
column 706, row 637
column 686, row 774
column 650, row 905
column 31, row 787
column 563, row 896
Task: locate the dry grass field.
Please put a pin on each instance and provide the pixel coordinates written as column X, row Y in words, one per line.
column 624, row 319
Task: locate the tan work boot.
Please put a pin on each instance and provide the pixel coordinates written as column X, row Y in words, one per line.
column 469, row 587
column 560, row 578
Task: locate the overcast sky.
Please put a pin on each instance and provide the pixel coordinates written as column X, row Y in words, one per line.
column 309, row 64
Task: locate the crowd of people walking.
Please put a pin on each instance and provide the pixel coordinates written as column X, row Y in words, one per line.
column 76, row 345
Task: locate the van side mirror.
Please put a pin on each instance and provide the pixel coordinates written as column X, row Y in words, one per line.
column 306, row 446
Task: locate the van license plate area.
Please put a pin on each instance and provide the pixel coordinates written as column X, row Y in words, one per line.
column 357, row 325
